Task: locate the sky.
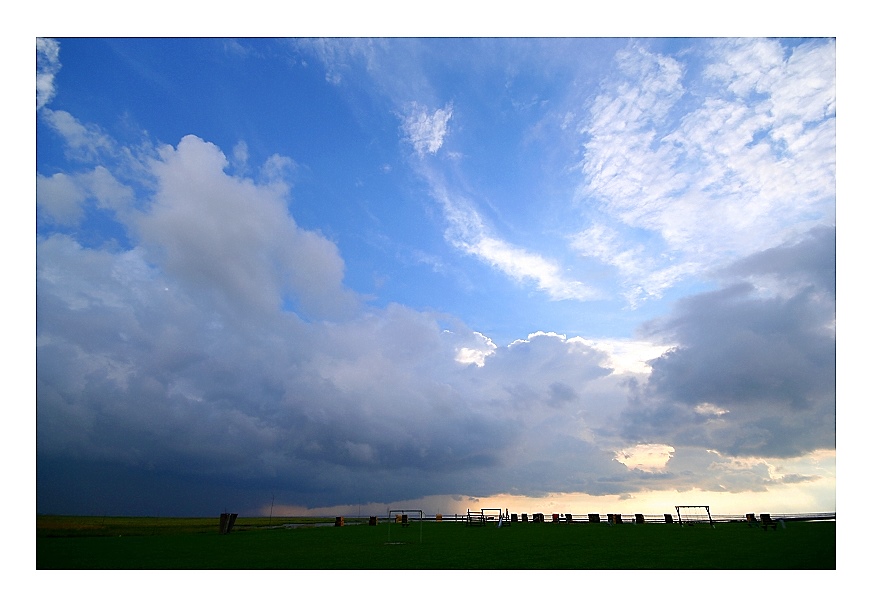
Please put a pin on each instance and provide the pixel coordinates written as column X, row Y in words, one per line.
column 346, row 275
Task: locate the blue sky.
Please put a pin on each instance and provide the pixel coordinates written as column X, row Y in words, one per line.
column 581, row 274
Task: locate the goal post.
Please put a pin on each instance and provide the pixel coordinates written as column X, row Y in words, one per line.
column 404, row 517
column 498, row 515
column 692, row 514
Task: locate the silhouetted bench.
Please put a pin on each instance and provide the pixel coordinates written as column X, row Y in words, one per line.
column 767, row 522
column 594, row 518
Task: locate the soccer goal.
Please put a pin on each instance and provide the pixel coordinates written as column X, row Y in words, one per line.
column 690, row 515
column 404, row 518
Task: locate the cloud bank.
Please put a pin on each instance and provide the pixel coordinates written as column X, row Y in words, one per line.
column 182, row 356
column 207, row 349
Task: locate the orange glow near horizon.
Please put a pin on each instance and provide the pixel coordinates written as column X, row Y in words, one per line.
column 810, row 496
column 788, row 498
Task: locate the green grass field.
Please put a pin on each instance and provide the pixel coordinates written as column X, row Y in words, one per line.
column 173, row 543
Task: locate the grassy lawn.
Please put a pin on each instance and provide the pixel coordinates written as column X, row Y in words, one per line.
column 149, row 543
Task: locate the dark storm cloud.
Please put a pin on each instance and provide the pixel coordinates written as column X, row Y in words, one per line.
column 808, row 262
column 143, row 368
column 178, row 357
column 753, row 369
column 214, row 357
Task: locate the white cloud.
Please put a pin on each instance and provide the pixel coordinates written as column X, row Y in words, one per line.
column 108, row 192
column 277, row 170
column 652, row 458
column 522, row 265
column 468, row 233
column 235, row 239
column 426, row 130
column 641, row 276
column 84, row 143
column 340, row 55
column 708, row 409
column 744, row 167
column 476, row 354
column 47, row 66
column 240, row 157
column 627, row 355
column 84, row 278
column 750, row 64
column 61, row 197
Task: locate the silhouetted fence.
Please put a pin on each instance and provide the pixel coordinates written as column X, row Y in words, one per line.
column 604, row 518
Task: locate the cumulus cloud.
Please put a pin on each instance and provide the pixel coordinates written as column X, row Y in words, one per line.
column 646, row 457
column 753, row 371
column 212, row 354
column 808, row 262
column 62, row 197
column 135, row 370
column 235, row 239
column 476, row 350
column 182, row 349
